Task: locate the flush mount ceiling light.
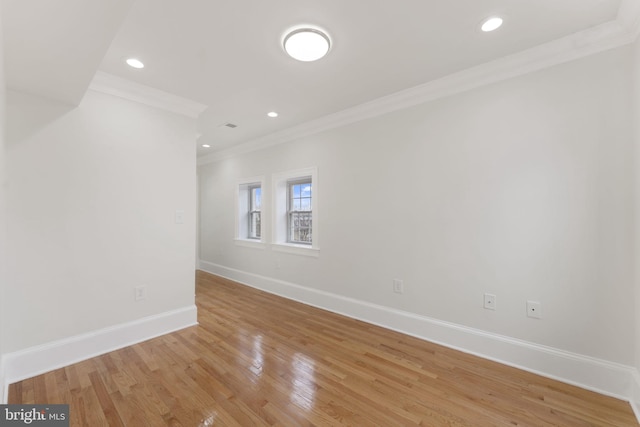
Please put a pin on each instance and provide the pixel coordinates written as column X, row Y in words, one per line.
column 491, row 24
column 206, row 145
column 135, row 63
column 306, row 44
column 272, row 114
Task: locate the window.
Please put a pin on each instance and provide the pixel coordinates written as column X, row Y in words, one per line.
column 249, row 217
column 295, row 212
column 255, row 202
column 299, row 211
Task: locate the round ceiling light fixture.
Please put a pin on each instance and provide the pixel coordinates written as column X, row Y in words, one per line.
column 491, row 24
column 272, row 114
column 306, row 44
column 135, row 63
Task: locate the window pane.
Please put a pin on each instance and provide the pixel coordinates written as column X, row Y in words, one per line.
column 257, row 198
column 305, row 204
column 254, row 225
column 300, row 227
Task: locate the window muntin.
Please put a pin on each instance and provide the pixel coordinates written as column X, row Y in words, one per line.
column 254, row 216
column 299, row 211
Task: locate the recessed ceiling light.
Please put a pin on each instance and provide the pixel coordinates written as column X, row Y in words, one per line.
column 306, row 44
column 491, row 24
column 135, row 63
column 206, row 145
column 272, row 114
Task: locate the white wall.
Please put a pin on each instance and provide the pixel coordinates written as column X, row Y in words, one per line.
column 523, row 189
column 636, row 121
column 92, row 195
column 3, row 247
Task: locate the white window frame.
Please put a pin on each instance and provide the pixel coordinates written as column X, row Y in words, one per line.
column 291, row 211
column 280, row 211
column 242, row 206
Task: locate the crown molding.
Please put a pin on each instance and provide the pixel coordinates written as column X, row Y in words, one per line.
column 616, row 33
column 123, row 88
column 629, row 17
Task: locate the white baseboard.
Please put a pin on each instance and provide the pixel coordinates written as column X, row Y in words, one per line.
column 634, row 399
column 608, row 378
column 4, row 386
column 37, row 360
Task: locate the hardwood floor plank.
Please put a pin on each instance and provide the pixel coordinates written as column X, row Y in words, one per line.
column 89, row 411
column 108, row 408
column 16, row 395
column 256, row 359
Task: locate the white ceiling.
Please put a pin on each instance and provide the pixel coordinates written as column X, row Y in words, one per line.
column 228, row 56
column 53, row 48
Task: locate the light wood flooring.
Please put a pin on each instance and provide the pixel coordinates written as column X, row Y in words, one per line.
column 256, row 360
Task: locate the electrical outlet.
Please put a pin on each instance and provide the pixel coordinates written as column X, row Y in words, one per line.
column 534, row 309
column 398, row 286
column 489, row 301
column 140, row 293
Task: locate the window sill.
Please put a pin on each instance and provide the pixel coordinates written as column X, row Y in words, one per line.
column 248, row 243
column 292, row 248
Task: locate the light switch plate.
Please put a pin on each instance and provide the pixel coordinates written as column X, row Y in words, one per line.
column 179, row 217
